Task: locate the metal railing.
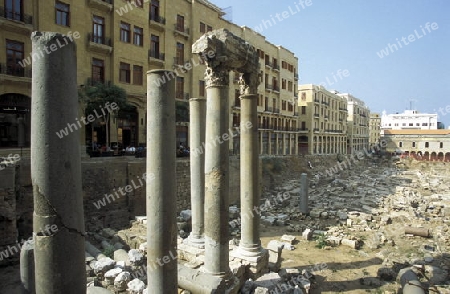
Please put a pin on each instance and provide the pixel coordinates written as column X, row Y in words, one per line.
column 99, row 39
column 158, row 19
column 157, row 55
column 15, row 70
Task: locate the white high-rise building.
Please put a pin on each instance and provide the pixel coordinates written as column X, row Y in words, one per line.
column 409, row 120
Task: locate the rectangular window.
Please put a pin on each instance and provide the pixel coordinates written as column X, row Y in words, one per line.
column 125, row 32
column 14, row 9
column 441, row 145
column 124, row 73
column 14, row 55
column 62, row 11
column 154, row 10
column 98, row 32
column 138, row 37
column 202, row 28
column 138, row 73
column 303, row 109
column 180, row 23
column 201, row 88
column 179, row 88
column 180, row 54
column 98, row 71
column 427, row 144
column 413, row 144
column 400, row 144
column 154, row 47
column 209, row 28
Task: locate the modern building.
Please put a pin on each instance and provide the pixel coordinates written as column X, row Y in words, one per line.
column 374, row 129
column 119, row 41
column 357, row 123
column 420, row 144
column 322, row 121
column 409, row 120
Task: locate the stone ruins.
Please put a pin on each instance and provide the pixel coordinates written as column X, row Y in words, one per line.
column 374, row 208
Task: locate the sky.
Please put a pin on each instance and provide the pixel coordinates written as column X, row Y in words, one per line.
column 393, row 55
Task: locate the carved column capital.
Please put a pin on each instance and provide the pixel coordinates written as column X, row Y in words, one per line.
column 248, row 83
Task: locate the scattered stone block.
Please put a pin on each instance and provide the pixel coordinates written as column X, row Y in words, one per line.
column 288, row 239
column 136, row 286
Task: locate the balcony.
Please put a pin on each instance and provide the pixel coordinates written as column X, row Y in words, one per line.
column 15, row 22
column 268, row 87
column 316, row 115
column 99, row 44
column 181, row 31
column 104, row 5
column 276, row 67
column 276, row 89
column 15, row 74
column 316, row 130
column 342, row 109
column 325, row 103
column 91, row 82
column 316, row 100
column 296, row 76
column 276, row 110
column 155, row 57
column 182, row 95
column 303, row 130
column 268, row 64
column 157, row 22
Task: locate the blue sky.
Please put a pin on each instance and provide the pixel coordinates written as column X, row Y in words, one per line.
column 332, row 35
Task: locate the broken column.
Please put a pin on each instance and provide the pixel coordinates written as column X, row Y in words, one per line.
column 197, row 110
column 304, row 194
column 58, row 222
column 161, row 187
column 250, row 244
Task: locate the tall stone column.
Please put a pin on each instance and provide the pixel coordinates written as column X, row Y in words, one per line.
column 161, row 184
column 304, row 198
column 58, row 218
column 197, row 110
column 250, row 244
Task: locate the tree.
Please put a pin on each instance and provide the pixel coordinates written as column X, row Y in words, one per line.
column 102, row 100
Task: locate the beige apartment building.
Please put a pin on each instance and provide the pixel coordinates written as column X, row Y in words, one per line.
column 323, row 121
column 374, row 129
column 431, row 145
column 119, row 41
column 357, row 123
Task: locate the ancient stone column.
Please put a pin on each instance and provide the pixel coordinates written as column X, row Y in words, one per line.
column 250, row 244
column 161, row 190
column 304, row 193
column 27, row 267
column 197, row 110
column 221, row 52
column 58, row 219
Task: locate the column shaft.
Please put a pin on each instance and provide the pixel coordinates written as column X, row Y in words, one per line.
column 161, row 184
column 304, row 194
column 197, row 110
column 250, row 185
column 58, row 219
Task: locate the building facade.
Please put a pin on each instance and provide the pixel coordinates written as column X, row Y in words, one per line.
column 420, row 144
column 357, row 123
column 323, row 121
column 119, row 42
column 374, row 129
column 409, row 120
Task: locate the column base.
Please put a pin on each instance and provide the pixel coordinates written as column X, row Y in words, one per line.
column 195, row 241
column 258, row 263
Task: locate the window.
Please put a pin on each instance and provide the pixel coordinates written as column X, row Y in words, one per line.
column 201, row 88
column 303, row 109
column 400, row 144
column 14, row 55
column 125, row 32
column 441, row 145
column 202, row 28
column 154, row 10
column 14, row 9
column 154, row 46
column 413, row 144
column 424, row 124
column 208, row 28
column 139, row 3
column 138, row 37
column 138, row 73
column 427, row 144
column 180, row 54
column 179, row 88
column 237, row 98
column 180, row 23
column 411, row 124
column 98, row 71
column 303, row 125
column 283, row 84
column 283, row 105
column 98, row 35
column 62, row 11
column 124, row 73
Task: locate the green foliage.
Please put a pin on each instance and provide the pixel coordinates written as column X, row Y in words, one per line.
column 273, row 165
column 109, row 252
column 96, row 97
column 182, row 111
column 321, row 241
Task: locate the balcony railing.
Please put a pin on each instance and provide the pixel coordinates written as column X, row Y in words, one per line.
column 316, row 115
column 182, row 95
column 99, row 39
column 316, row 129
column 276, row 110
column 295, row 76
column 157, row 18
column 268, row 64
column 276, row 67
column 155, row 54
column 13, row 15
column 276, row 89
column 92, row 82
column 16, row 71
column 182, row 29
column 316, row 100
column 269, row 87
